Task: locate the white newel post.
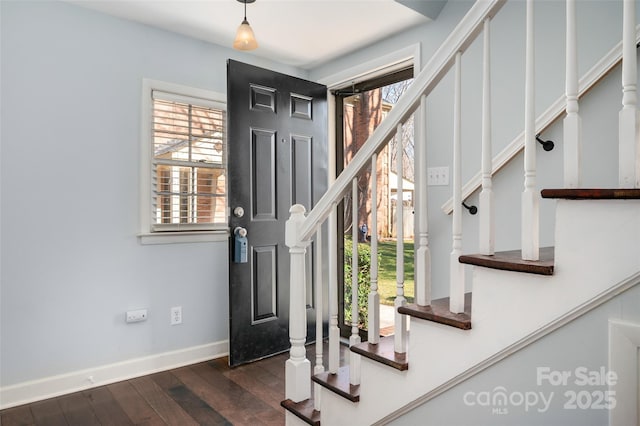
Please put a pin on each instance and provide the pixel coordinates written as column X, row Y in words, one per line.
column 487, row 218
column 297, row 367
column 629, row 150
column 456, row 278
column 354, row 339
column 373, row 321
column 423, row 254
column 530, row 199
column 400, row 321
column 572, row 122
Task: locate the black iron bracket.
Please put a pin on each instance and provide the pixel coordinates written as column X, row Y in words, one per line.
column 546, row 145
column 472, row 209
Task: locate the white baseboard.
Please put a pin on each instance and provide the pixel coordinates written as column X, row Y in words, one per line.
column 36, row 390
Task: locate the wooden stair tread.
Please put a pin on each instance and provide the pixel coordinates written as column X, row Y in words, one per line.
column 339, row 383
column 439, row 312
column 593, row 193
column 383, row 352
column 512, row 261
column 304, row 410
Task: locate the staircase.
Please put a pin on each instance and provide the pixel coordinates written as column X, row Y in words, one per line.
column 518, row 296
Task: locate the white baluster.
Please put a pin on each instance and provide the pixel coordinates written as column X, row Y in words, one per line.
column 629, row 150
column 423, row 254
column 297, row 367
column 456, row 278
column 354, row 339
column 334, row 329
column 487, row 217
column 530, row 198
column 373, row 324
column 572, row 122
column 400, row 325
column 319, row 367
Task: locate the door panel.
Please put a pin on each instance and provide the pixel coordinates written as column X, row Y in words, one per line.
column 263, row 162
column 277, row 156
column 264, row 281
column 301, row 166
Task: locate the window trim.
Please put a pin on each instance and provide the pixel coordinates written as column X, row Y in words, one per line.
column 146, row 233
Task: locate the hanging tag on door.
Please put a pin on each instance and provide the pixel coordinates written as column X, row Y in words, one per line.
column 240, row 245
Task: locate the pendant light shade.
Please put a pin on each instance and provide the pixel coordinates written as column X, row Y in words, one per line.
column 245, row 39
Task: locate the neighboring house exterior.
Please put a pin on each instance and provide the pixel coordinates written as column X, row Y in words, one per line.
column 362, row 114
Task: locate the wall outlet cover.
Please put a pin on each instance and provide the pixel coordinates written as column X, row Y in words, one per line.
column 136, row 315
column 176, row 315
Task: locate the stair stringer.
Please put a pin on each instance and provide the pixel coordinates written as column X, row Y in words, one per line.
column 596, row 248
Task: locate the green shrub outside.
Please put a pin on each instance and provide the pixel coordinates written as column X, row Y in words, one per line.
column 364, row 281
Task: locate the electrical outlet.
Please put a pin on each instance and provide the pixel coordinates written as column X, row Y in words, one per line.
column 176, row 315
column 136, row 316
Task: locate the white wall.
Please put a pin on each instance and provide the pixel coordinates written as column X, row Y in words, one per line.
column 582, row 344
column 71, row 260
column 599, row 28
column 429, row 35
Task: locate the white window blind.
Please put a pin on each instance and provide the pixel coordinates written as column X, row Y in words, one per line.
column 188, row 170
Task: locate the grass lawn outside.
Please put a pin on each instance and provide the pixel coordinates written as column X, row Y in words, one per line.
column 387, row 286
column 387, row 271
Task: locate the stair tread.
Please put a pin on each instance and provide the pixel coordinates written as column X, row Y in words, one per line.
column 512, row 261
column 439, row 312
column 304, row 410
column 593, row 193
column 339, row 383
column 383, row 352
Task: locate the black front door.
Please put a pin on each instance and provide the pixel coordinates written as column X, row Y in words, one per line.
column 277, row 157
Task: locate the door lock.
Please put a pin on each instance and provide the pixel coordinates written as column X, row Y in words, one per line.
column 238, row 212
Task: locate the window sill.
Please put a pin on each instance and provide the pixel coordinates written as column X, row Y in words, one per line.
column 184, row 237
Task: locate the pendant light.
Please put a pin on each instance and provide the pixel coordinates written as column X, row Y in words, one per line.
column 245, row 40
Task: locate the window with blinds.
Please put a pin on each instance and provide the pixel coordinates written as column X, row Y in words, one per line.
column 188, row 163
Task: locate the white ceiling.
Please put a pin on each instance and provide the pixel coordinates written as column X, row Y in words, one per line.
column 302, row 33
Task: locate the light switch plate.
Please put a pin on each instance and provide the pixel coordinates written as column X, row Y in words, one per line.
column 438, row 176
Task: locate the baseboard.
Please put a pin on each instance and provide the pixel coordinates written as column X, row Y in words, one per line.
column 49, row 387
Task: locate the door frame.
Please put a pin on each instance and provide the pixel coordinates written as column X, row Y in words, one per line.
column 340, row 96
column 351, row 77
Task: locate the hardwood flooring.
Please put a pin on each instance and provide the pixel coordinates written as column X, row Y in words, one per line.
column 208, row 393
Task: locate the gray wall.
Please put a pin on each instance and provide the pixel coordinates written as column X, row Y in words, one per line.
column 71, row 261
column 582, row 344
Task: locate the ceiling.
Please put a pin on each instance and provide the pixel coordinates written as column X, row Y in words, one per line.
column 301, row 33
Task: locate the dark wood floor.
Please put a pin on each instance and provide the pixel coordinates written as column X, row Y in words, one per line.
column 209, row 393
